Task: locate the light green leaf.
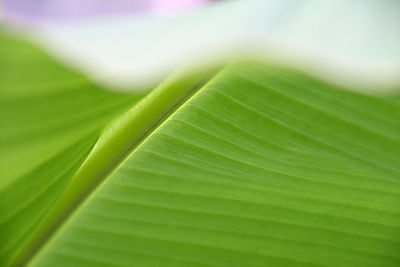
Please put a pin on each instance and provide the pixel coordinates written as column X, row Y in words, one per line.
column 51, row 118
column 261, row 167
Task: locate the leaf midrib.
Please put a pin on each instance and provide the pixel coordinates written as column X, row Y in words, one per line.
column 116, row 142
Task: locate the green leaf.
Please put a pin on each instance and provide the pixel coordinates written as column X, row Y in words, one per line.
column 51, row 118
column 261, row 167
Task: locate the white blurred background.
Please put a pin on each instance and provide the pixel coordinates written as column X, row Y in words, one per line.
column 131, row 45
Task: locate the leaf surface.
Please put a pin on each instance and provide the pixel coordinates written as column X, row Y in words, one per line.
column 262, row 167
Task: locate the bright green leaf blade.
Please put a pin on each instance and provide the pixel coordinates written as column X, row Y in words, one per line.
column 262, row 167
column 51, row 118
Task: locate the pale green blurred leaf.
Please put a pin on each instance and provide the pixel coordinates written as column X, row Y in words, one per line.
column 51, row 118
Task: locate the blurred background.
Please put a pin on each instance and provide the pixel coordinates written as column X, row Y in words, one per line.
column 22, row 10
column 134, row 45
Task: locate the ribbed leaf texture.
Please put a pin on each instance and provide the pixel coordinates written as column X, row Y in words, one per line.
column 262, row 166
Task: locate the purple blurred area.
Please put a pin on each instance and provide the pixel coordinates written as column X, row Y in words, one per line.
column 26, row 10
